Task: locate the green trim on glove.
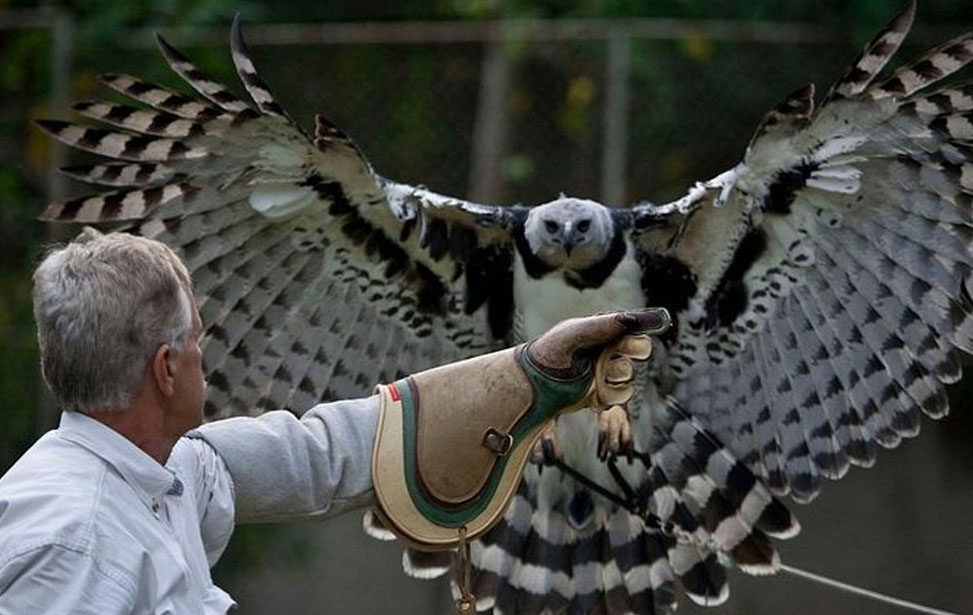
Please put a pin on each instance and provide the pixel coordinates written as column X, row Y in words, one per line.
column 551, row 395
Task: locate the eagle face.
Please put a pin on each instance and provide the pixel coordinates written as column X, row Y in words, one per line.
column 569, row 233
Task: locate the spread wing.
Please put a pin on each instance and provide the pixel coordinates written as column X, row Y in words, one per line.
column 822, row 286
column 315, row 276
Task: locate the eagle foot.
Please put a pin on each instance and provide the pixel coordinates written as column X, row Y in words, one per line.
column 615, row 434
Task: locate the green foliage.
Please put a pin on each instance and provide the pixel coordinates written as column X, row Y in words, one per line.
column 18, row 349
column 869, row 13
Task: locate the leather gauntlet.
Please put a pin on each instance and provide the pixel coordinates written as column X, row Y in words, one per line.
column 452, row 441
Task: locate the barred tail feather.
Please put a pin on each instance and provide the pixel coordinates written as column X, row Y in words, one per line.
column 695, row 472
column 427, row 564
column 374, row 527
column 535, row 562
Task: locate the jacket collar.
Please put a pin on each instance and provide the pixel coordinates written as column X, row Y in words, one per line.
column 149, row 478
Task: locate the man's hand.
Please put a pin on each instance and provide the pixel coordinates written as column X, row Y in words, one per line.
column 612, row 341
column 558, row 348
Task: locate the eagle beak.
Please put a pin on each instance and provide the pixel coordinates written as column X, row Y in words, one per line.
column 571, row 239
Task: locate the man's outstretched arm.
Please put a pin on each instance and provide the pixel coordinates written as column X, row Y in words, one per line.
column 284, row 468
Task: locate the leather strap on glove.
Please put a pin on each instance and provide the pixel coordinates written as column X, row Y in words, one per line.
column 452, row 441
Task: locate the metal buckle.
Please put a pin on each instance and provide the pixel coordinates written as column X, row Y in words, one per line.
column 498, row 441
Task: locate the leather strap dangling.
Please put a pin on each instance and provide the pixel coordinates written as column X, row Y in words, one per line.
column 466, row 603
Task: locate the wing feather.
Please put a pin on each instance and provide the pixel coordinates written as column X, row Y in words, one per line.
column 265, row 313
column 121, row 145
column 745, row 388
column 256, row 88
column 887, row 342
column 158, row 123
column 121, row 174
column 831, row 384
column 861, row 364
column 160, row 98
column 233, row 342
column 935, row 65
column 803, row 477
column 279, row 365
column 814, row 410
column 844, row 381
column 207, row 86
column 875, row 55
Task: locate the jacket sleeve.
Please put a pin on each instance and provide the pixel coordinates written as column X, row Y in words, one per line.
column 208, row 481
column 282, row 467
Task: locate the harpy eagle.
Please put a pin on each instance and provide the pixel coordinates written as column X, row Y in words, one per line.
column 820, row 291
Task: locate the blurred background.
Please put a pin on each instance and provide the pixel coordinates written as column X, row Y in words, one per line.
column 503, row 102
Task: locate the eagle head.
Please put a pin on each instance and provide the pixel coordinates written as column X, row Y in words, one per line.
column 569, row 233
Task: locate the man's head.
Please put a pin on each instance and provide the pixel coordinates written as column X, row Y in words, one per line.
column 105, row 305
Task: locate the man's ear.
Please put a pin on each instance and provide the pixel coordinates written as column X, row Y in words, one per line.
column 162, row 369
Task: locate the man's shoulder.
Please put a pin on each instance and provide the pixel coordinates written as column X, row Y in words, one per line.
column 193, row 457
column 52, row 466
column 49, row 496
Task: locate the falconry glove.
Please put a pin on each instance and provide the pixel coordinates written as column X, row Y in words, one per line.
column 452, row 441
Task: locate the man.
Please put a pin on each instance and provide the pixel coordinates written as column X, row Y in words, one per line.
column 117, row 512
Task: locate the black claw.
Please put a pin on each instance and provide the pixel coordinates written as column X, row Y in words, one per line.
column 548, row 447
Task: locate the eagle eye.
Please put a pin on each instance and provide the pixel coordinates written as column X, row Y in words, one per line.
column 551, row 226
column 584, row 225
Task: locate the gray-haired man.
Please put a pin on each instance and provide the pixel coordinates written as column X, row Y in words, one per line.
column 116, row 512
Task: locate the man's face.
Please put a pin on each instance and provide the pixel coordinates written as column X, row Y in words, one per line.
column 190, row 385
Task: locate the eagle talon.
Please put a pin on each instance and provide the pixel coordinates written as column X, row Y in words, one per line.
column 615, row 434
column 547, row 450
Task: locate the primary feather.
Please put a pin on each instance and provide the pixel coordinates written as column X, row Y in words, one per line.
column 820, row 290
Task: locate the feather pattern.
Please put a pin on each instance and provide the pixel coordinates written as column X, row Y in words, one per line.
column 875, row 56
column 160, row 98
column 820, row 290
